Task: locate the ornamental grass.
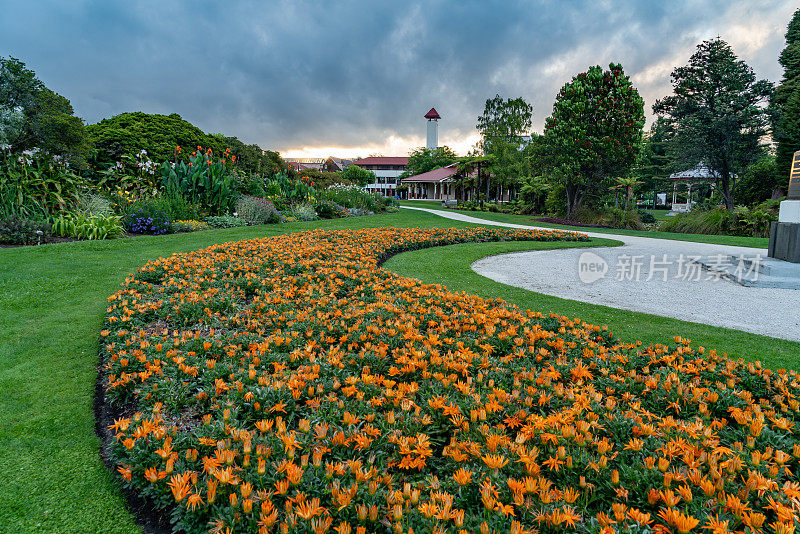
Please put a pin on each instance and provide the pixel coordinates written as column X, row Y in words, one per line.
column 290, row 384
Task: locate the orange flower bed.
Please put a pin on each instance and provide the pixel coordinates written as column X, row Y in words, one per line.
column 291, row 385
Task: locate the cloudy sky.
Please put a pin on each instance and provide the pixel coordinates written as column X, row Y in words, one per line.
column 356, row 77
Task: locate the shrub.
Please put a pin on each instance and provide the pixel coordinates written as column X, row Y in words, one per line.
column 83, row 226
column 328, row 209
column 137, row 175
column 297, row 382
column 127, row 134
column 304, row 212
column 285, row 189
column 17, row 230
column 646, row 217
column 95, row 204
column 359, row 212
column 189, row 226
column 712, row 222
column 759, row 181
column 225, row 221
column 352, row 196
column 248, row 184
column 754, row 222
column 321, row 179
column 556, row 201
column 204, row 180
column 610, row 217
column 257, row 210
column 34, row 184
column 177, row 207
column 741, row 221
column 147, row 218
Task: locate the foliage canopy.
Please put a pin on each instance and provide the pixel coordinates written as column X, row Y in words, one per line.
column 593, row 134
column 127, row 134
column 32, row 115
column 423, row 159
column 358, row 175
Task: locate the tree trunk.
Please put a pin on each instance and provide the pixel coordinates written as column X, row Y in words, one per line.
column 727, row 194
column 574, row 200
column 627, row 201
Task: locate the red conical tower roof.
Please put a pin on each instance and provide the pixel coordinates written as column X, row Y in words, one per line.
column 432, row 114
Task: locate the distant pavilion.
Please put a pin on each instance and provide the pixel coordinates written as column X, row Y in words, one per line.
column 698, row 174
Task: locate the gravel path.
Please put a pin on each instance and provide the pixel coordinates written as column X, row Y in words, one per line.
column 646, row 275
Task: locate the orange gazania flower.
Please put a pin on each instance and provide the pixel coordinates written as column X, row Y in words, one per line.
column 463, row 476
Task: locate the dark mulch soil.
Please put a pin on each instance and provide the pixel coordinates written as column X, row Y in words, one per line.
column 55, row 239
column 152, row 520
column 567, row 222
column 51, row 239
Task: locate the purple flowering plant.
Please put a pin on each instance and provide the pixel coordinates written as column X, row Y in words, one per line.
column 145, row 219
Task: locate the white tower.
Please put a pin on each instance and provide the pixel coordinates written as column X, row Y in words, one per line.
column 433, row 129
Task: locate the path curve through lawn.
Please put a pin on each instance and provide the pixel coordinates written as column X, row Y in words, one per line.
column 659, row 286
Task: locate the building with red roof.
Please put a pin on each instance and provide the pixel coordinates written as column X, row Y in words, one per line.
column 438, row 184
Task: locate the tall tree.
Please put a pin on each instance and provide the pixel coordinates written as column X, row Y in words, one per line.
column 54, row 127
column 505, row 119
column 716, row 114
column 424, row 159
column 359, row 175
column 653, row 164
column 785, row 113
column 593, row 134
column 503, row 127
column 128, row 133
column 31, row 115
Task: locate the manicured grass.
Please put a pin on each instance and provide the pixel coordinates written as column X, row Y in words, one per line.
column 451, row 267
column 756, row 242
column 52, row 304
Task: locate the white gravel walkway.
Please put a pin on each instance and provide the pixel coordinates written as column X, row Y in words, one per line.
column 639, row 277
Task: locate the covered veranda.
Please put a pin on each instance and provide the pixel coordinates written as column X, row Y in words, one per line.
column 689, row 179
column 438, row 184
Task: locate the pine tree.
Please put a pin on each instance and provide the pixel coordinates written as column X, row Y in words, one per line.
column 790, row 138
column 716, row 114
column 785, row 117
column 653, row 164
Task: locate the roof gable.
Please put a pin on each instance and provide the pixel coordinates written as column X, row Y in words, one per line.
column 436, row 175
column 432, row 114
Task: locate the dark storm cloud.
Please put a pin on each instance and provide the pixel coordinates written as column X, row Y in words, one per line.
column 290, row 74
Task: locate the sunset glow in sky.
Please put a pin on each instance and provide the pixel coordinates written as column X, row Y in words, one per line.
column 313, row 79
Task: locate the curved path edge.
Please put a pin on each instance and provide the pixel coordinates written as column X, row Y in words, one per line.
column 716, row 302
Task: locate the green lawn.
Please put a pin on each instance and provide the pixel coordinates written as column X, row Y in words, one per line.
column 757, row 242
column 52, row 304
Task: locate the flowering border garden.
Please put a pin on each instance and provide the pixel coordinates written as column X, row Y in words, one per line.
column 291, row 384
